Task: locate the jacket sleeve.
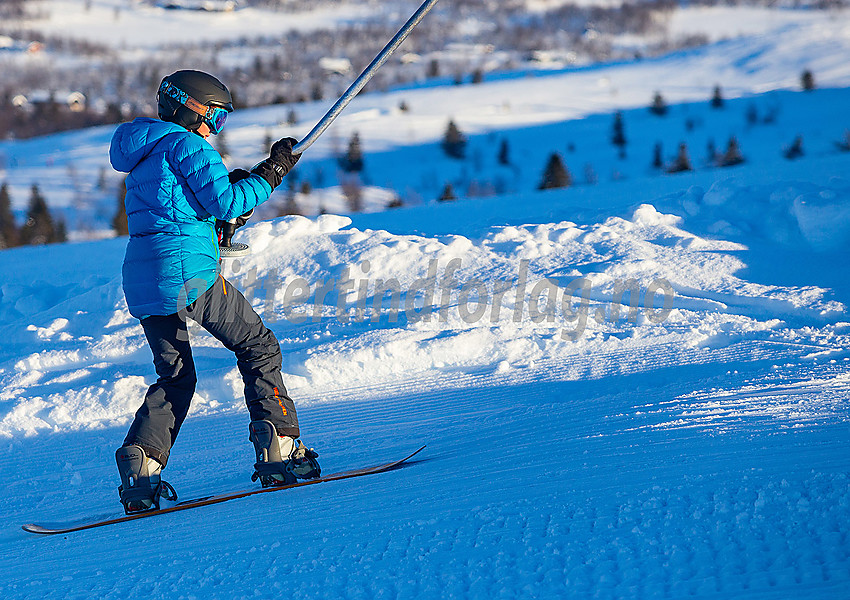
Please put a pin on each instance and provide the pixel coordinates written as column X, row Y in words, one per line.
column 205, row 174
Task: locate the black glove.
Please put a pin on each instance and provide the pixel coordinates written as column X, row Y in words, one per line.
column 238, row 175
column 241, row 220
column 279, row 163
column 281, row 153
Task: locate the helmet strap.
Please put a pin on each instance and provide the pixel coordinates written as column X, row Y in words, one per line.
column 172, row 91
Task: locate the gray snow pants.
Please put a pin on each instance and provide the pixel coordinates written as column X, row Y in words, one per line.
column 225, row 313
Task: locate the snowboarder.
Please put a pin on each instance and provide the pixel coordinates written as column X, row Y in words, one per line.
column 177, row 190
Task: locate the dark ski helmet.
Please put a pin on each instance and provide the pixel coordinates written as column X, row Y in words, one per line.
column 190, row 98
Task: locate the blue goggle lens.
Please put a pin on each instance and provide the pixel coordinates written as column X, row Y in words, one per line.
column 216, row 119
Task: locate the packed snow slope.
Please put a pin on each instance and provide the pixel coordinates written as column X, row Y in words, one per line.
column 698, row 449
column 635, row 388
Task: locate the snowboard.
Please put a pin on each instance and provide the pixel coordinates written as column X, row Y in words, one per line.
column 80, row 525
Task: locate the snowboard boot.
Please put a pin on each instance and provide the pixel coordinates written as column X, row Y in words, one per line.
column 281, row 460
column 141, row 485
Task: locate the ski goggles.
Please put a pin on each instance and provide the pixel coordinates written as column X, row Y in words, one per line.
column 214, row 116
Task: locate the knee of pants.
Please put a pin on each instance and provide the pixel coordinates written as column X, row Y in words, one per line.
column 179, row 375
column 263, row 347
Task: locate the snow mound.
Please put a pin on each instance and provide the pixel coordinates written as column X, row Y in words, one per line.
column 795, row 215
column 824, row 218
column 358, row 312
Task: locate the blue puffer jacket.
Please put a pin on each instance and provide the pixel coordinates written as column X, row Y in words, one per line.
column 177, row 186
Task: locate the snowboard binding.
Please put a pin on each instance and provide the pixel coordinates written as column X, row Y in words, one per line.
column 226, row 229
column 226, row 248
column 280, row 460
column 141, row 485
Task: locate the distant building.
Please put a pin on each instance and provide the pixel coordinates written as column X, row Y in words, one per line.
column 339, row 66
column 207, row 5
column 8, row 44
column 73, row 101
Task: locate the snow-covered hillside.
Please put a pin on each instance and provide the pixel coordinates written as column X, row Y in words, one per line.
column 536, row 113
column 632, row 388
column 147, row 25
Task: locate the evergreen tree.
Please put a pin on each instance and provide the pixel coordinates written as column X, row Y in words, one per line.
column 752, row 114
column 844, row 144
column 795, row 150
column 772, row 115
column 318, row 177
column 352, row 160
column 477, row 76
column 448, row 194
column 618, row 136
column 732, row 156
column 352, row 189
column 454, row 142
column 658, row 156
column 556, row 174
column 259, row 68
column 290, row 205
column 291, row 117
column 119, row 221
column 267, row 142
column 682, row 162
column 711, row 152
column 8, row 227
column 276, row 65
column 504, row 153
column 807, row 80
column 39, row 227
column 658, row 106
column 61, row 232
column 717, row 98
column 101, row 179
column 395, row 202
column 113, row 113
column 433, row 68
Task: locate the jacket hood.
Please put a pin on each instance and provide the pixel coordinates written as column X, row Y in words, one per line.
column 134, row 141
